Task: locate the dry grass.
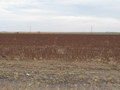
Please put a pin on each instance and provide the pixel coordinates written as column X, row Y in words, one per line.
column 58, row 75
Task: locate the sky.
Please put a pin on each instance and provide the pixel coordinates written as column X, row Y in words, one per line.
column 59, row 15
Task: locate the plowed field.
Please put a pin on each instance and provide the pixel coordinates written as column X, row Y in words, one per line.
column 61, row 46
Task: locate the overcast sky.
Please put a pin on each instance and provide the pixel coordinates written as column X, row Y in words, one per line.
column 60, row 15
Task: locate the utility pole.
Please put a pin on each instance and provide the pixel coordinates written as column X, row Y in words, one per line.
column 91, row 28
column 30, row 27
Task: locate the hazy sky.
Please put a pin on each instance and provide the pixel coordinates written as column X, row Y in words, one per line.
column 60, row 15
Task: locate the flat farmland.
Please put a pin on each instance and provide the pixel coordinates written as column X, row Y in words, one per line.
column 52, row 61
column 84, row 46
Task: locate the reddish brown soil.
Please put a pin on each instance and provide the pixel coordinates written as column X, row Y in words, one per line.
column 64, row 46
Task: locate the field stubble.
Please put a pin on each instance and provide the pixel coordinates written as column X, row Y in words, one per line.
column 60, row 46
